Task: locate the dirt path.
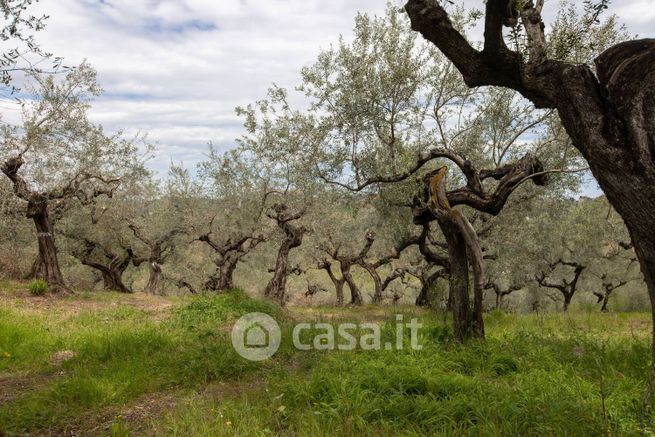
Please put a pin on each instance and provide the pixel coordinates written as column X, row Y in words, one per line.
column 12, row 386
column 81, row 302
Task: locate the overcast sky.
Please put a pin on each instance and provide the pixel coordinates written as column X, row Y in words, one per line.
column 177, row 68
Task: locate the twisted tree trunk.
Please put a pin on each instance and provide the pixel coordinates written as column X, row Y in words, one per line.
column 467, row 317
column 113, row 281
column 39, row 210
column 112, row 275
column 293, row 236
column 355, row 294
column 338, row 282
column 223, row 279
column 154, row 278
column 276, row 287
column 48, row 252
column 111, row 272
column 566, row 288
column 377, row 283
column 426, row 295
column 423, row 299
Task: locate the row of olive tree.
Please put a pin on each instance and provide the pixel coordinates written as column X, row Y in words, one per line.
column 388, row 115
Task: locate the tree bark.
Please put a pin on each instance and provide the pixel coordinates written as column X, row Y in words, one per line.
column 223, row 279
column 111, row 272
column 338, row 289
column 48, row 253
column 377, row 283
column 276, row 287
column 338, row 282
column 606, row 299
column 355, row 294
column 37, row 271
column 467, row 319
column 293, row 236
column 115, row 278
column 112, row 282
column 154, row 279
column 112, row 277
column 567, row 302
column 425, row 296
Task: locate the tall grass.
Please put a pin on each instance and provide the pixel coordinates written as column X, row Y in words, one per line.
column 578, row 374
column 121, row 354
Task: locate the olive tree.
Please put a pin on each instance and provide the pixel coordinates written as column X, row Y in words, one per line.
column 607, row 110
column 232, row 221
column 57, row 158
column 391, row 109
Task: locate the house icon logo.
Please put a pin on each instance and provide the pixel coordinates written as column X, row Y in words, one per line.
column 256, row 336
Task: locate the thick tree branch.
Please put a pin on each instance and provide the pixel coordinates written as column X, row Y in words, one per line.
column 495, row 65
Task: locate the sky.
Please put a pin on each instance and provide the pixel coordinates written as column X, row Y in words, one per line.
column 176, row 69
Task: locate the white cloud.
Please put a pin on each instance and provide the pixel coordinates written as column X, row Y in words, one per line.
column 177, row 68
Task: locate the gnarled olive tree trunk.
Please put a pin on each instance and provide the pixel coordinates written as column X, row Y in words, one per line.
column 566, row 287
column 338, row 282
column 426, row 295
column 47, row 249
column 467, row 315
column 228, row 254
column 154, row 278
column 424, row 298
column 113, row 267
column 377, row 283
column 347, row 261
column 112, row 275
column 223, row 278
column 380, row 285
column 160, row 249
column 112, row 279
column 39, row 207
column 37, row 210
column 276, row 287
column 293, row 236
column 355, row 293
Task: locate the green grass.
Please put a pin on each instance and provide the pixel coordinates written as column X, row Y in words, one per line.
column 121, row 354
column 577, row 374
column 519, row 382
column 38, row 287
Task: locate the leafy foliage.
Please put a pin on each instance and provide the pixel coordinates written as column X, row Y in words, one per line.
column 38, row 287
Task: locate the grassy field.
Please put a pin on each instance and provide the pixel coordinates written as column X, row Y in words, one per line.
column 110, row 364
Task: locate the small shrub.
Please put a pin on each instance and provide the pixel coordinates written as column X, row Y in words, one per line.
column 38, row 287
